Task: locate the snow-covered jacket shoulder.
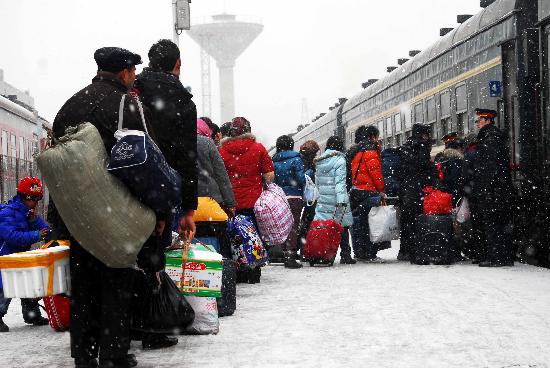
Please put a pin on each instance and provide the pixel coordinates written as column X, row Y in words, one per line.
column 330, row 177
column 17, row 233
column 289, row 172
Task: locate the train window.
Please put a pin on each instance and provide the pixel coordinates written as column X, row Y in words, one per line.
column 21, row 150
column 397, row 120
column 388, row 127
column 461, row 99
column 408, row 121
column 4, row 143
column 445, row 104
column 380, row 125
column 13, row 146
column 430, row 110
column 418, row 113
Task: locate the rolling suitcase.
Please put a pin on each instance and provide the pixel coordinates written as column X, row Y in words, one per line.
column 322, row 242
column 227, row 303
column 434, row 243
column 59, row 312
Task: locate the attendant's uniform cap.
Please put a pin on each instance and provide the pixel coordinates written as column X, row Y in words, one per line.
column 115, row 59
column 486, row 113
column 450, row 137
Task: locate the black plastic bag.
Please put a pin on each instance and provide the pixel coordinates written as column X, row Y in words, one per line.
column 160, row 308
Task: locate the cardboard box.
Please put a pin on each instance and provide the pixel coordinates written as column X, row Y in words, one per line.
column 36, row 273
column 203, row 271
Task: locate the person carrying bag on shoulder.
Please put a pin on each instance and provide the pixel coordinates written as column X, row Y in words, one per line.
column 366, row 185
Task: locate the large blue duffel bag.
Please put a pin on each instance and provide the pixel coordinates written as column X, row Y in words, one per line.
column 138, row 162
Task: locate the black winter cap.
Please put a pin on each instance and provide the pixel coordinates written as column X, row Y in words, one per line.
column 115, row 59
column 418, row 129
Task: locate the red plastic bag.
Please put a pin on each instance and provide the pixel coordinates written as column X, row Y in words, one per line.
column 59, row 311
column 437, row 202
column 323, row 240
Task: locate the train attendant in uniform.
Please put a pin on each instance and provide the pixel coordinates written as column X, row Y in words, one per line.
column 20, row 227
column 492, row 189
column 100, row 296
column 366, row 181
column 289, row 175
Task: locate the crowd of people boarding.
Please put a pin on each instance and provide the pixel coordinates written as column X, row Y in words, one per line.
column 229, row 166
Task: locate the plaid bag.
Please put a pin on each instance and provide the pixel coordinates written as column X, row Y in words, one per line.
column 273, row 215
column 247, row 248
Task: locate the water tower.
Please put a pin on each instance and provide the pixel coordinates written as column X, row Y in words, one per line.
column 224, row 38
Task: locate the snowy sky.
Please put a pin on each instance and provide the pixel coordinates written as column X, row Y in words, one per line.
column 319, row 50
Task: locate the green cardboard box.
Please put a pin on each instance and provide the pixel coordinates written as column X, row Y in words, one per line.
column 203, row 271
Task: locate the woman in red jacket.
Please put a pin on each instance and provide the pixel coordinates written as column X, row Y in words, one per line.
column 366, row 182
column 248, row 165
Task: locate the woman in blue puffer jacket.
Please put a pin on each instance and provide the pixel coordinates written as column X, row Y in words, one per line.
column 289, row 175
column 333, row 203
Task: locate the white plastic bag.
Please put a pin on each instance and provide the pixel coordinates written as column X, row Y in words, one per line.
column 463, row 213
column 311, row 193
column 383, row 225
column 206, row 315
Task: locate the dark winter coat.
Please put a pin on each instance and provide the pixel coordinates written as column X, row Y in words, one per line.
column 364, row 167
column 468, row 171
column 492, row 180
column 246, row 161
column 417, row 172
column 174, row 119
column 97, row 104
column 451, row 162
column 289, row 172
column 213, row 179
column 17, row 232
column 391, row 164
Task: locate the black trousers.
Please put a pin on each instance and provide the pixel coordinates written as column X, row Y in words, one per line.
column 29, row 307
column 100, row 307
column 497, row 245
column 409, row 215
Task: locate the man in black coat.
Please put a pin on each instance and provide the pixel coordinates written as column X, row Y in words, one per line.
column 416, row 172
column 101, row 296
column 174, row 119
column 492, row 190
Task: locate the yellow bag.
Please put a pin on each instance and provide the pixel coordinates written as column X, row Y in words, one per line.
column 209, row 210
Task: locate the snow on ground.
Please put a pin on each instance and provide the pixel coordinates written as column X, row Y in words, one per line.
column 364, row 315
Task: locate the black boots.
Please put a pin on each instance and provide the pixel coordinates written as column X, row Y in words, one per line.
column 36, row 321
column 156, row 341
column 128, row 361
column 291, row 260
column 346, row 259
column 85, row 363
column 3, row 326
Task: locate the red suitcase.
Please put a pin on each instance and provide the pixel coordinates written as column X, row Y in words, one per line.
column 322, row 242
column 58, row 309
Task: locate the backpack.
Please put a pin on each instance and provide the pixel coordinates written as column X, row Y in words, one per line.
column 311, row 192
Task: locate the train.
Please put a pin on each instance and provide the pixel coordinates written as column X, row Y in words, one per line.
column 496, row 59
column 23, row 134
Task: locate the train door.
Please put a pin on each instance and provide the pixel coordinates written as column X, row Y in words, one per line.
column 509, row 106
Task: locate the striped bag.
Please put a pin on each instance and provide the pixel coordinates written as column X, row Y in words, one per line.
column 273, row 215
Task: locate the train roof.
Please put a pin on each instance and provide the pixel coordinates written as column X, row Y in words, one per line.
column 487, row 17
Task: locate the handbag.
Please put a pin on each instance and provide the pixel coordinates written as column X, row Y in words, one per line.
column 383, row 225
column 138, row 162
column 463, row 213
column 311, row 192
column 437, row 202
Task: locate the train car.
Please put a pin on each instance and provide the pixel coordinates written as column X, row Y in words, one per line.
column 490, row 60
column 22, row 135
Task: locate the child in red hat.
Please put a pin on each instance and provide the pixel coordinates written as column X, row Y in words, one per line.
column 20, row 227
